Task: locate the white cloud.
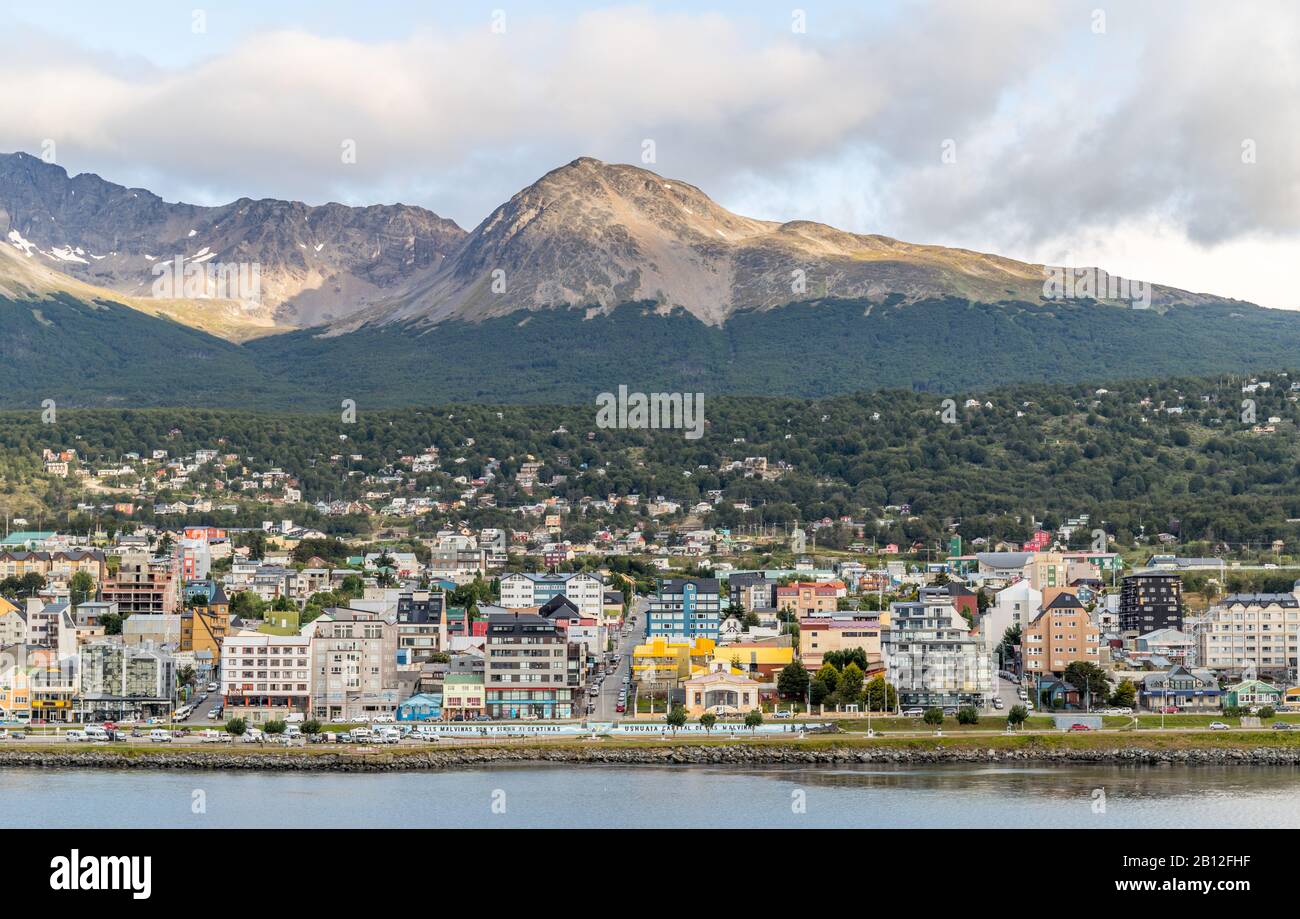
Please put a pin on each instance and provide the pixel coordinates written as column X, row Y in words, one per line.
column 1065, row 139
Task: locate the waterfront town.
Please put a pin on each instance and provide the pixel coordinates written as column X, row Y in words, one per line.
column 206, row 633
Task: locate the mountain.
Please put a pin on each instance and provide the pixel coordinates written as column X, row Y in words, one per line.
column 610, row 276
column 315, row 264
column 595, row 235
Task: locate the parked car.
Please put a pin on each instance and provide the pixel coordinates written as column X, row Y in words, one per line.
column 158, row 735
column 783, row 713
column 1218, row 726
column 913, row 712
column 1079, row 727
column 1283, row 726
column 1170, row 710
column 213, row 687
column 997, row 704
column 620, row 707
column 75, row 736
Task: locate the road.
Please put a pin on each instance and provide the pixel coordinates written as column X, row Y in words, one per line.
column 607, row 701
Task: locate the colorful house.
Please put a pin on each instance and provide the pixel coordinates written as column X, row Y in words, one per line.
column 1251, row 694
column 425, row 706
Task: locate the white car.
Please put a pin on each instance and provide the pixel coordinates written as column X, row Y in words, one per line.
column 1218, row 726
column 213, row 687
column 160, row 736
column 75, row 736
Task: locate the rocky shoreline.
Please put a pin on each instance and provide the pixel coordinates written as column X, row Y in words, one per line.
column 656, row 755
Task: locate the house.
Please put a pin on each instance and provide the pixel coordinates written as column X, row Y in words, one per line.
column 804, row 599
column 1252, row 694
column 1054, row 693
column 425, row 706
column 463, row 694
column 1181, row 688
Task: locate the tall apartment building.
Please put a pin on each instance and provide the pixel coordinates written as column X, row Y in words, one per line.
column 142, row 585
column 119, row 681
column 1151, row 600
column 527, row 591
column 931, row 658
column 264, row 677
column 1252, row 636
column 685, row 609
column 421, row 625
column 1060, row 635
column 354, row 664
column 526, row 667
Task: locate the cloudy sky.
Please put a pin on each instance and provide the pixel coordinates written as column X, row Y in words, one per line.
column 1159, row 139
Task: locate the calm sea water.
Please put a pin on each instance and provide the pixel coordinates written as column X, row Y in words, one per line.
column 652, row 796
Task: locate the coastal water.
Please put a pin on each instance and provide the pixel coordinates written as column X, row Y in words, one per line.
column 656, row 796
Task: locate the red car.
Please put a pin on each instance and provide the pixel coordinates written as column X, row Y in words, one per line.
column 620, row 707
column 1170, row 709
column 1080, row 727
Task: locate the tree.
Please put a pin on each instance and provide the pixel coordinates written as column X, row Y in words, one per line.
column 880, row 696
column 829, row 677
column 753, row 719
column 1125, row 695
column 1266, row 712
column 1017, row 715
column 792, row 682
column 186, row 676
column 311, row 726
column 1088, row 678
column 850, row 689
column 676, row 717
column 81, row 587
column 707, row 721
column 236, row 727
column 933, row 717
column 274, row 727
column 968, row 714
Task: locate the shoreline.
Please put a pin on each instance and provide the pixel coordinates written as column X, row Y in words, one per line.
column 1245, row 749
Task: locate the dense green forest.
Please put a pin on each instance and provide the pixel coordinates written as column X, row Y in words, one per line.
column 108, row 355
column 1028, row 452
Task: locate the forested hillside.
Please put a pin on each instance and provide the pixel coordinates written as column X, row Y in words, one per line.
column 1142, row 457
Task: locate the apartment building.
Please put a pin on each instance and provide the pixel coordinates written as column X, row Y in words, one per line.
column 820, row 635
column 528, row 591
column 142, row 585
column 421, row 625
column 810, row 599
column 1060, row 635
column 1251, row 636
column 118, row 681
column 354, row 664
column 685, row 609
column 1150, row 600
column 931, row 658
column 265, row 677
column 526, row 671
column 204, row 628
column 57, row 568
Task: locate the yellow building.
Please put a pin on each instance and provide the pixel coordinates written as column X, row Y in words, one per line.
column 663, row 659
column 760, row 660
column 203, row 628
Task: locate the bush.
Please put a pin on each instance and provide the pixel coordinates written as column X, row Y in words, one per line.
column 933, row 716
column 274, row 727
column 1266, row 712
column 968, row 714
column 311, row 727
column 236, row 727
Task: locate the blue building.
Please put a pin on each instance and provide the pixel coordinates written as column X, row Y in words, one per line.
column 686, row 608
column 425, row 706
